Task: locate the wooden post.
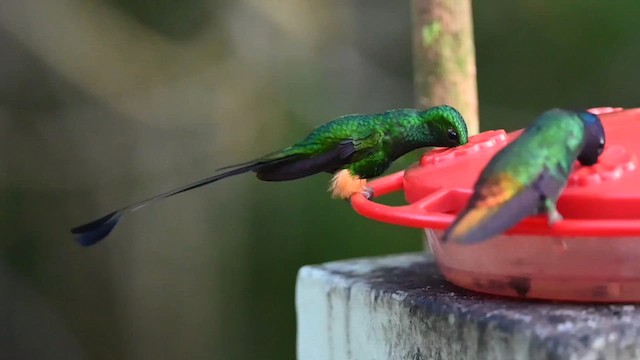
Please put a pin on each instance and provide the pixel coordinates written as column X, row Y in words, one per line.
column 444, row 57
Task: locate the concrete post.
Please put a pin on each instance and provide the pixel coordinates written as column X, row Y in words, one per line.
column 400, row 307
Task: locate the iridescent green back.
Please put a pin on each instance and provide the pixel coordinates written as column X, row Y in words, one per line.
column 552, row 142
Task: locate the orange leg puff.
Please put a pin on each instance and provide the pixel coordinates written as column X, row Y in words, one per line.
column 343, row 185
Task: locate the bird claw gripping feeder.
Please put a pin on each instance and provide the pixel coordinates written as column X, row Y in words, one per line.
column 591, row 255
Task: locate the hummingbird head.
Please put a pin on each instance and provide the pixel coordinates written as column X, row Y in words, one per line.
column 594, row 138
column 446, row 125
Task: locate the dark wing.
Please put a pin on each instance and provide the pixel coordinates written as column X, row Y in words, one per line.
column 297, row 167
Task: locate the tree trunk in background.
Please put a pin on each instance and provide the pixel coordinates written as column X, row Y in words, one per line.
column 444, row 57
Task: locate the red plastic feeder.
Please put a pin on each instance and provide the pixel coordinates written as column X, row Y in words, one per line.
column 592, row 255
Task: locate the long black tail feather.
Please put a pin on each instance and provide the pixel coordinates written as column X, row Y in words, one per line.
column 96, row 230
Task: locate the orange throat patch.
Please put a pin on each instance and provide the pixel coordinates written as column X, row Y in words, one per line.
column 343, row 185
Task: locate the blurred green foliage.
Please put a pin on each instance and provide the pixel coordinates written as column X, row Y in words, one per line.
column 104, row 103
column 179, row 20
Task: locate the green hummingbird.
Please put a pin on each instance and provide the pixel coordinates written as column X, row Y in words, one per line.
column 353, row 148
column 527, row 176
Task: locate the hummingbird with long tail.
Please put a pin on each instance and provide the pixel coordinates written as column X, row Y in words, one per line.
column 527, row 176
column 353, row 148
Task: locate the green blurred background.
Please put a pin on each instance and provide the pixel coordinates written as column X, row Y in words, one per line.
column 105, row 102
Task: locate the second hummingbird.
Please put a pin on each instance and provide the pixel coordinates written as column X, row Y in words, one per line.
column 527, row 176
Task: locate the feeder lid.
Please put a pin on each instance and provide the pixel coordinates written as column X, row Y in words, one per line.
column 599, row 200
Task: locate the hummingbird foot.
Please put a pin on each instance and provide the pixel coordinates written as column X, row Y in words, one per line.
column 553, row 215
column 343, row 185
column 367, row 192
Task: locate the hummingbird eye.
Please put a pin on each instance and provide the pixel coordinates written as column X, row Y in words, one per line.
column 452, row 135
column 600, row 145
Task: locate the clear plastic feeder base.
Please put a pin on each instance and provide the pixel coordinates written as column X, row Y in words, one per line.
column 547, row 268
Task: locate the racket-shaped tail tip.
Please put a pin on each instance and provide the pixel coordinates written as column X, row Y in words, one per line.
column 91, row 233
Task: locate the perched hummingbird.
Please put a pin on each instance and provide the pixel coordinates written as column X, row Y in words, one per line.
column 352, row 147
column 527, row 176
